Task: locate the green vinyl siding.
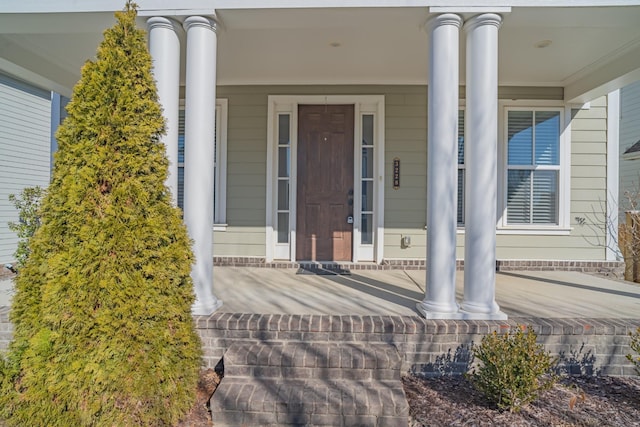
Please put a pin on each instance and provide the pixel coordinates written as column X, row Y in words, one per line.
column 406, row 139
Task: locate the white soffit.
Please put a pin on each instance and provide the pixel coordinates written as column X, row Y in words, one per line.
column 347, row 45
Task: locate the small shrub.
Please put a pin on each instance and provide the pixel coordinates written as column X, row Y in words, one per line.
column 513, row 370
column 635, row 346
column 28, row 205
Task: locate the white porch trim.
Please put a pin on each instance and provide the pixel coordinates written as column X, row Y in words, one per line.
column 613, row 163
column 373, row 104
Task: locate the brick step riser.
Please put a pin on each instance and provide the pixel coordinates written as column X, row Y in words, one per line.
column 312, row 373
column 266, row 419
column 318, row 384
column 342, row 397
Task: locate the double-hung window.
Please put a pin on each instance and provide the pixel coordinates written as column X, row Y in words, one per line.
column 533, row 167
column 219, row 162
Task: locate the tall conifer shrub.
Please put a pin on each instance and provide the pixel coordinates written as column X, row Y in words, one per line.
column 103, row 329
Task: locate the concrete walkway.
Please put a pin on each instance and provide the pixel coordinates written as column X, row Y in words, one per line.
column 545, row 294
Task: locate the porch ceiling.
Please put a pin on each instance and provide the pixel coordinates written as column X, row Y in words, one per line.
column 593, row 50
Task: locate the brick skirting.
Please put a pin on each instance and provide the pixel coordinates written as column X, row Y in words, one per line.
column 428, row 347
column 608, row 268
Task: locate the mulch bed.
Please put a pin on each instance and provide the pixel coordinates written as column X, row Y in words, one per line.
column 573, row 401
column 199, row 415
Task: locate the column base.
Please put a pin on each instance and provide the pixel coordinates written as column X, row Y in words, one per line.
column 200, row 309
column 481, row 312
column 438, row 311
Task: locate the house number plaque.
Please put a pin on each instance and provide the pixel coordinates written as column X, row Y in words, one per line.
column 396, row 173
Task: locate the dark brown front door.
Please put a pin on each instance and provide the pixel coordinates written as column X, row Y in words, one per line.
column 325, row 182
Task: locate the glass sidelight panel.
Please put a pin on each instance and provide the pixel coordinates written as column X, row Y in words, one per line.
column 283, row 162
column 367, row 162
column 366, row 180
column 283, row 129
column 284, row 176
column 367, row 196
column 283, row 228
column 366, row 229
column 367, row 129
column 283, row 195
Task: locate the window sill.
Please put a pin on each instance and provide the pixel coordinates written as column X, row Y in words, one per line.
column 542, row 231
column 220, row 227
column 539, row 231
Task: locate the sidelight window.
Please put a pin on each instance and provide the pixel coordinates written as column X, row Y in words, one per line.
column 284, row 177
column 366, row 225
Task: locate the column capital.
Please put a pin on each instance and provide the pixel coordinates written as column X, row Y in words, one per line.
column 443, row 19
column 200, row 21
column 484, row 19
column 162, row 22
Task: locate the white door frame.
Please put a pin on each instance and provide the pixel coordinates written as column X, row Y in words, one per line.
column 363, row 105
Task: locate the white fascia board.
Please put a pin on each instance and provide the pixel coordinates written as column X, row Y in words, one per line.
column 74, row 6
column 631, row 156
column 470, row 9
column 71, row 6
column 605, row 76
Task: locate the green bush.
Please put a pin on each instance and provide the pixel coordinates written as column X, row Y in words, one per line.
column 635, row 346
column 102, row 311
column 513, row 369
column 28, row 205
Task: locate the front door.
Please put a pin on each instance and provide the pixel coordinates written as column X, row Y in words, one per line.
column 325, row 183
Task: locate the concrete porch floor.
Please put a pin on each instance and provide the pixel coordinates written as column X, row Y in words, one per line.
column 543, row 294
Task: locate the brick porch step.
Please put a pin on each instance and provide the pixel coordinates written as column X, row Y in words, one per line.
column 315, row 384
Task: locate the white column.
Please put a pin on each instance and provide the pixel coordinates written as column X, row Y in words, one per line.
column 442, row 167
column 164, row 47
column 200, row 106
column 481, row 159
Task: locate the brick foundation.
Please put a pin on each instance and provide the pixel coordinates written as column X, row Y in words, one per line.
column 430, row 347
column 607, row 268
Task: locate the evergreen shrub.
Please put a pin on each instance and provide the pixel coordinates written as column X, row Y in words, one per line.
column 513, row 368
column 103, row 333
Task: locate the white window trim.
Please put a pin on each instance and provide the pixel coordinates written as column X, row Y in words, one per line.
column 221, row 123
column 364, row 104
column 564, row 179
column 220, row 214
